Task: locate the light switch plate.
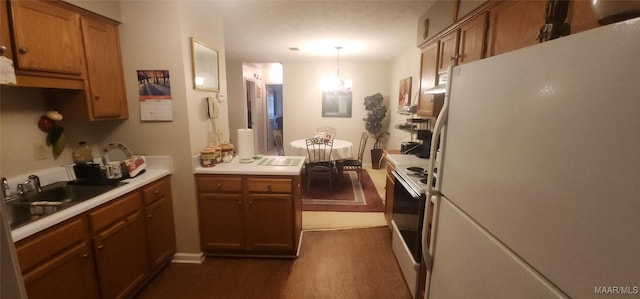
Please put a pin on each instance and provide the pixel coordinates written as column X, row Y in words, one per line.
column 40, row 151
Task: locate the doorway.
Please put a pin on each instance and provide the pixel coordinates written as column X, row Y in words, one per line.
column 274, row 113
column 264, row 103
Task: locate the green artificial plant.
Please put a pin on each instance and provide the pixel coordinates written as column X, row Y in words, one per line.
column 376, row 112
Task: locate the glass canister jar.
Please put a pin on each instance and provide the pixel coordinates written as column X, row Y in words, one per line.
column 208, row 157
column 225, row 146
column 227, row 151
column 82, row 153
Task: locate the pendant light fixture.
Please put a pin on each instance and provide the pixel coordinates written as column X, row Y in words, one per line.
column 339, row 82
column 340, row 85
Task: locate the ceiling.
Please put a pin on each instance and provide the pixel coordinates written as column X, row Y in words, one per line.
column 263, row 30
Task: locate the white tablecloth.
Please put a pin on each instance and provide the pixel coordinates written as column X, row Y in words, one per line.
column 341, row 149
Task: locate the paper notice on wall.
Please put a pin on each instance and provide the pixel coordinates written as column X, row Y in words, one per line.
column 154, row 89
column 7, row 72
column 156, row 110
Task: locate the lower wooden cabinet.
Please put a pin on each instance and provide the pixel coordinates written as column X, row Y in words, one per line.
column 59, row 262
column 249, row 215
column 120, row 244
column 107, row 252
column 158, row 209
column 388, row 198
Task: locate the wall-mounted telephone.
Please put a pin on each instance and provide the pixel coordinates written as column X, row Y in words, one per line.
column 212, row 107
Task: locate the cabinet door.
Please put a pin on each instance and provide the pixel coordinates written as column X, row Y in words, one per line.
column 472, row 39
column 428, row 77
column 105, row 91
column 448, row 52
column 68, row 275
column 121, row 256
column 514, row 25
column 270, row 223
column 222, row 222
column 47, row 38
column 161, row 235
column 120, row 245
column 59, row 261
column 5, row 34
column 581, row 16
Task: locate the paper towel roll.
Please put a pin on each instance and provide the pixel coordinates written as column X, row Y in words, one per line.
column 245, row 145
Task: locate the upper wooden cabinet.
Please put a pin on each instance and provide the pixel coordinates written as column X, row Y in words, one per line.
column 514, row 25
column 428, row 78
column 105, row 90
column 581, row 16
column 448, row 51
column 46, row 38
column 63, row 48
column 472, row 45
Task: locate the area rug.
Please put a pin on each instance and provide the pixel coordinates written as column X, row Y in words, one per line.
column 348, row 195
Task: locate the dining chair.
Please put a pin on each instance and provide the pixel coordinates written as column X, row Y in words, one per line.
column 326, row 131
column 319, row 165
column 277, row 136
column 354, row 164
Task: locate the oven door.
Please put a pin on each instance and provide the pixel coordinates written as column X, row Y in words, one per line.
column 408, row 214
column 406, row 238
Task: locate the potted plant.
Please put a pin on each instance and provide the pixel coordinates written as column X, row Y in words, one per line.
column 376, row 112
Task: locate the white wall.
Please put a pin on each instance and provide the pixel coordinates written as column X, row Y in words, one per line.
column 147, row 44
column 302, row 99
column 405, row 65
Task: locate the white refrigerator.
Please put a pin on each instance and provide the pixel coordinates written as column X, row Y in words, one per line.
column 538, row 187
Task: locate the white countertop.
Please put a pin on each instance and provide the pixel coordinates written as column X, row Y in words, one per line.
column 257, row 167
column 156, row 169
column 407, row 160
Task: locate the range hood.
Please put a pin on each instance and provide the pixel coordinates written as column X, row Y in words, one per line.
column 441, row 88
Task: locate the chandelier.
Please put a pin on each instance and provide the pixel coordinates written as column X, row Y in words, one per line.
column 339, row 85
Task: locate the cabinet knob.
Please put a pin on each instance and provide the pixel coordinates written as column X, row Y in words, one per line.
column 219, row 187
column 157, row 193
column 96, row 97
column 149, row 215
column 239, row 202
column 100, row 246
column 269, row 188
column 2, row 49
column 23, row 50
column 85, row 255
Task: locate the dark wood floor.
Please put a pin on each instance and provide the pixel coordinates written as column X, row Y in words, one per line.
column 356, row 263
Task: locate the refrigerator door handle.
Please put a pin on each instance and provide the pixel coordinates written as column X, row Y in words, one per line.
column 431, row 217
column 441, row 121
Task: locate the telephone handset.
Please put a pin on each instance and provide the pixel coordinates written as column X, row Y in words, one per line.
column 212, row 107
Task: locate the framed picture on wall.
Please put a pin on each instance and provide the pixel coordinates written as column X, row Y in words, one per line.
column 336, row 104
column 404, row 96
column 204, row 60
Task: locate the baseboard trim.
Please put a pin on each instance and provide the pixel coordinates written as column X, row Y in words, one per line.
column 188, row 258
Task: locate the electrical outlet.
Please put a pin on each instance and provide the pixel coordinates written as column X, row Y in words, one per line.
column 40, row 151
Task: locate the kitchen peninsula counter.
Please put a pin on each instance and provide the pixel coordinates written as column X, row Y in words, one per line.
column 251, row 209
column 266, row 165
column 157, row 168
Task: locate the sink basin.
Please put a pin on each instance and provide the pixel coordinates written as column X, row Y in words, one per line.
column 54, row 197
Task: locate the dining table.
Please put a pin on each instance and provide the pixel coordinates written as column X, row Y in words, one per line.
column 341, row 149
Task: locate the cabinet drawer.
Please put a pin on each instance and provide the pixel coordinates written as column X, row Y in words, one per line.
column 211, row 183
column 40, row 247
column 257, row 185
column 112, row 212
column 156, row 191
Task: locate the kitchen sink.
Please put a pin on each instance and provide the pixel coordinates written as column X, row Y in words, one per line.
column 34, row 205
